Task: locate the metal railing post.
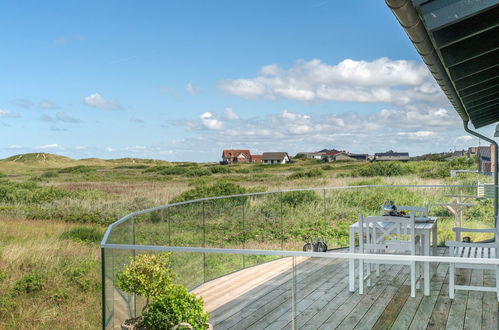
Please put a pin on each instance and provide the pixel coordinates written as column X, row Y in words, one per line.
column 204, row 244
column 167, row 211
column 103, row 279
column 282, row 224
column 244, row 234
column 293, row 296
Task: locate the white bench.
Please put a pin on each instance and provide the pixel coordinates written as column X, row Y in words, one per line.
column 460, row 249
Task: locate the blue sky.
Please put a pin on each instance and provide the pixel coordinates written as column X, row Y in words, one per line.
column 182, row 80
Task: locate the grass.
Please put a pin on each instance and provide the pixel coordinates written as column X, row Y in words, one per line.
column 47, row 282
column 53, row 211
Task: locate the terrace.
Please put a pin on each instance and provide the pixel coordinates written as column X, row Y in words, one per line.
column 243, row 255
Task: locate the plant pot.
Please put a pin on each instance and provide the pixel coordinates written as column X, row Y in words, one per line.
column 133, row 324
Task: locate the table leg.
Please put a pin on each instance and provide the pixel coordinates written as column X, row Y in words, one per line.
column 435, row 239
column 351, row 263
column 426, row 265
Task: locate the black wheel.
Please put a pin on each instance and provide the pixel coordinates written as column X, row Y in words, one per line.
column 321, row 247
column 308, row 247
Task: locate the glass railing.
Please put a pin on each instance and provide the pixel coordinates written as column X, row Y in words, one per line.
column 244, row 254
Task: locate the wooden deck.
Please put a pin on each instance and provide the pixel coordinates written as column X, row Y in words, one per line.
column 261, row 298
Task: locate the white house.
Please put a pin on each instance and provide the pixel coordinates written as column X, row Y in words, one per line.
column 275, row 158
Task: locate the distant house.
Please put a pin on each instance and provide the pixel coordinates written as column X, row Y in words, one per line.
column 361, row 157
column 256, row 158
column 313, row 155
column 484, row 156
column 234, row 156
column 275, row 158
column 391, row 156
column 457, row 154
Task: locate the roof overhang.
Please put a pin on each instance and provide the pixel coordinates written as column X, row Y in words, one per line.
column 459, row 42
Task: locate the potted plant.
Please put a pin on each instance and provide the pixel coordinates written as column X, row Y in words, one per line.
column 166, row 305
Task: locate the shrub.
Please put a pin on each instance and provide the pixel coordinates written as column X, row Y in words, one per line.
column 313, row 173
column 196, row 172
column 295, row 198
column 132, row 167
column 382, row 169
column 81, row 274
column 59, row 295
column 177, row 306
column 217, row 189
column 30, row 193
column 3, row 276
column 80, row 169
column 32, row 282
column 243, row 170
column 219, row 169
column 6, row 304
column 2, row 175
column 83, row 234
column 147, row 275
column 49, row 174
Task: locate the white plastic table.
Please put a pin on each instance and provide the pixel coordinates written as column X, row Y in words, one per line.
column 425, row 229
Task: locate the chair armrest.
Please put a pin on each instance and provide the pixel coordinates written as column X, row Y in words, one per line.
column 463, row 244
column 470, row 230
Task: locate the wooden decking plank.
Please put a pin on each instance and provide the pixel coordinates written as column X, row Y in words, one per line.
column 422, row 316
column 490, row 311
column 365, row 316
column 272, row 311
column 346, row 317
column 457, row 310
column 282, row 311
column 339, row 283
column 231, row 311
column 440, row 312
column 392, row 309
column 473, row 319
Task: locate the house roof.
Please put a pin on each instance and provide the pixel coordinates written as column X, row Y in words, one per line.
column 236, row 152
column 459, row 42
column 274, row 155
column 391, row 154
column 256, row 158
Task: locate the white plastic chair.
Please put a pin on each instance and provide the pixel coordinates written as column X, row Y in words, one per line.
column 387, row 234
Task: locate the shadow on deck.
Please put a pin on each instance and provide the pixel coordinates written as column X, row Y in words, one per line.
column 260, row 297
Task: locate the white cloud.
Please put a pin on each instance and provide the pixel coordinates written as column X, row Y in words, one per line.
column 210, row 122
column 61, row 117
column 8, row 114
column 382, row 80
column 192, row 90
column 464, row 138
column 230, row 114
column 50, row 146
column 97, row 101
column 418, row 134
column 109, row 149
column 46, row 105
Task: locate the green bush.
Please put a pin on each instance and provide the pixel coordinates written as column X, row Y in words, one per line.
column 30, row 193
column 242, row 170
column 217, row 189
column 382, row 169
column 3, row 276
column 81, row 274
column 6, row 304
column 32, row 282
column 59, row 295
column 80, row 169
column 219, row 169
column 83, row 234
column 132, row 167
column 196, row 172
column 295, row 198
column 49, row 174
column 147, row 275
column 313, row 173
column 2, row 175
column 177, row 306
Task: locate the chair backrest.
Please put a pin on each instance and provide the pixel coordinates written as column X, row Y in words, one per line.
column 387, row 233
column 418, row 211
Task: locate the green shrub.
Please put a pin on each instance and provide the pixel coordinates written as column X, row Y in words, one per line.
column 177, row 306
column 83, row 234
column 295, row 198
column 367, row 182
column 147, row 275
column 217, row 189
column 242, row 170
column 382, row 169
column 6, row 304
column 30, row 193
column 80, row 169
column 2, row 175
column 59, row 295
column 313, row 173
column 196, row 172
column 81, row 274
column 32, row 282
column 219, row 169
column 132, row 167
column 3, row 276
column 49, row 174
column 327, row 167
